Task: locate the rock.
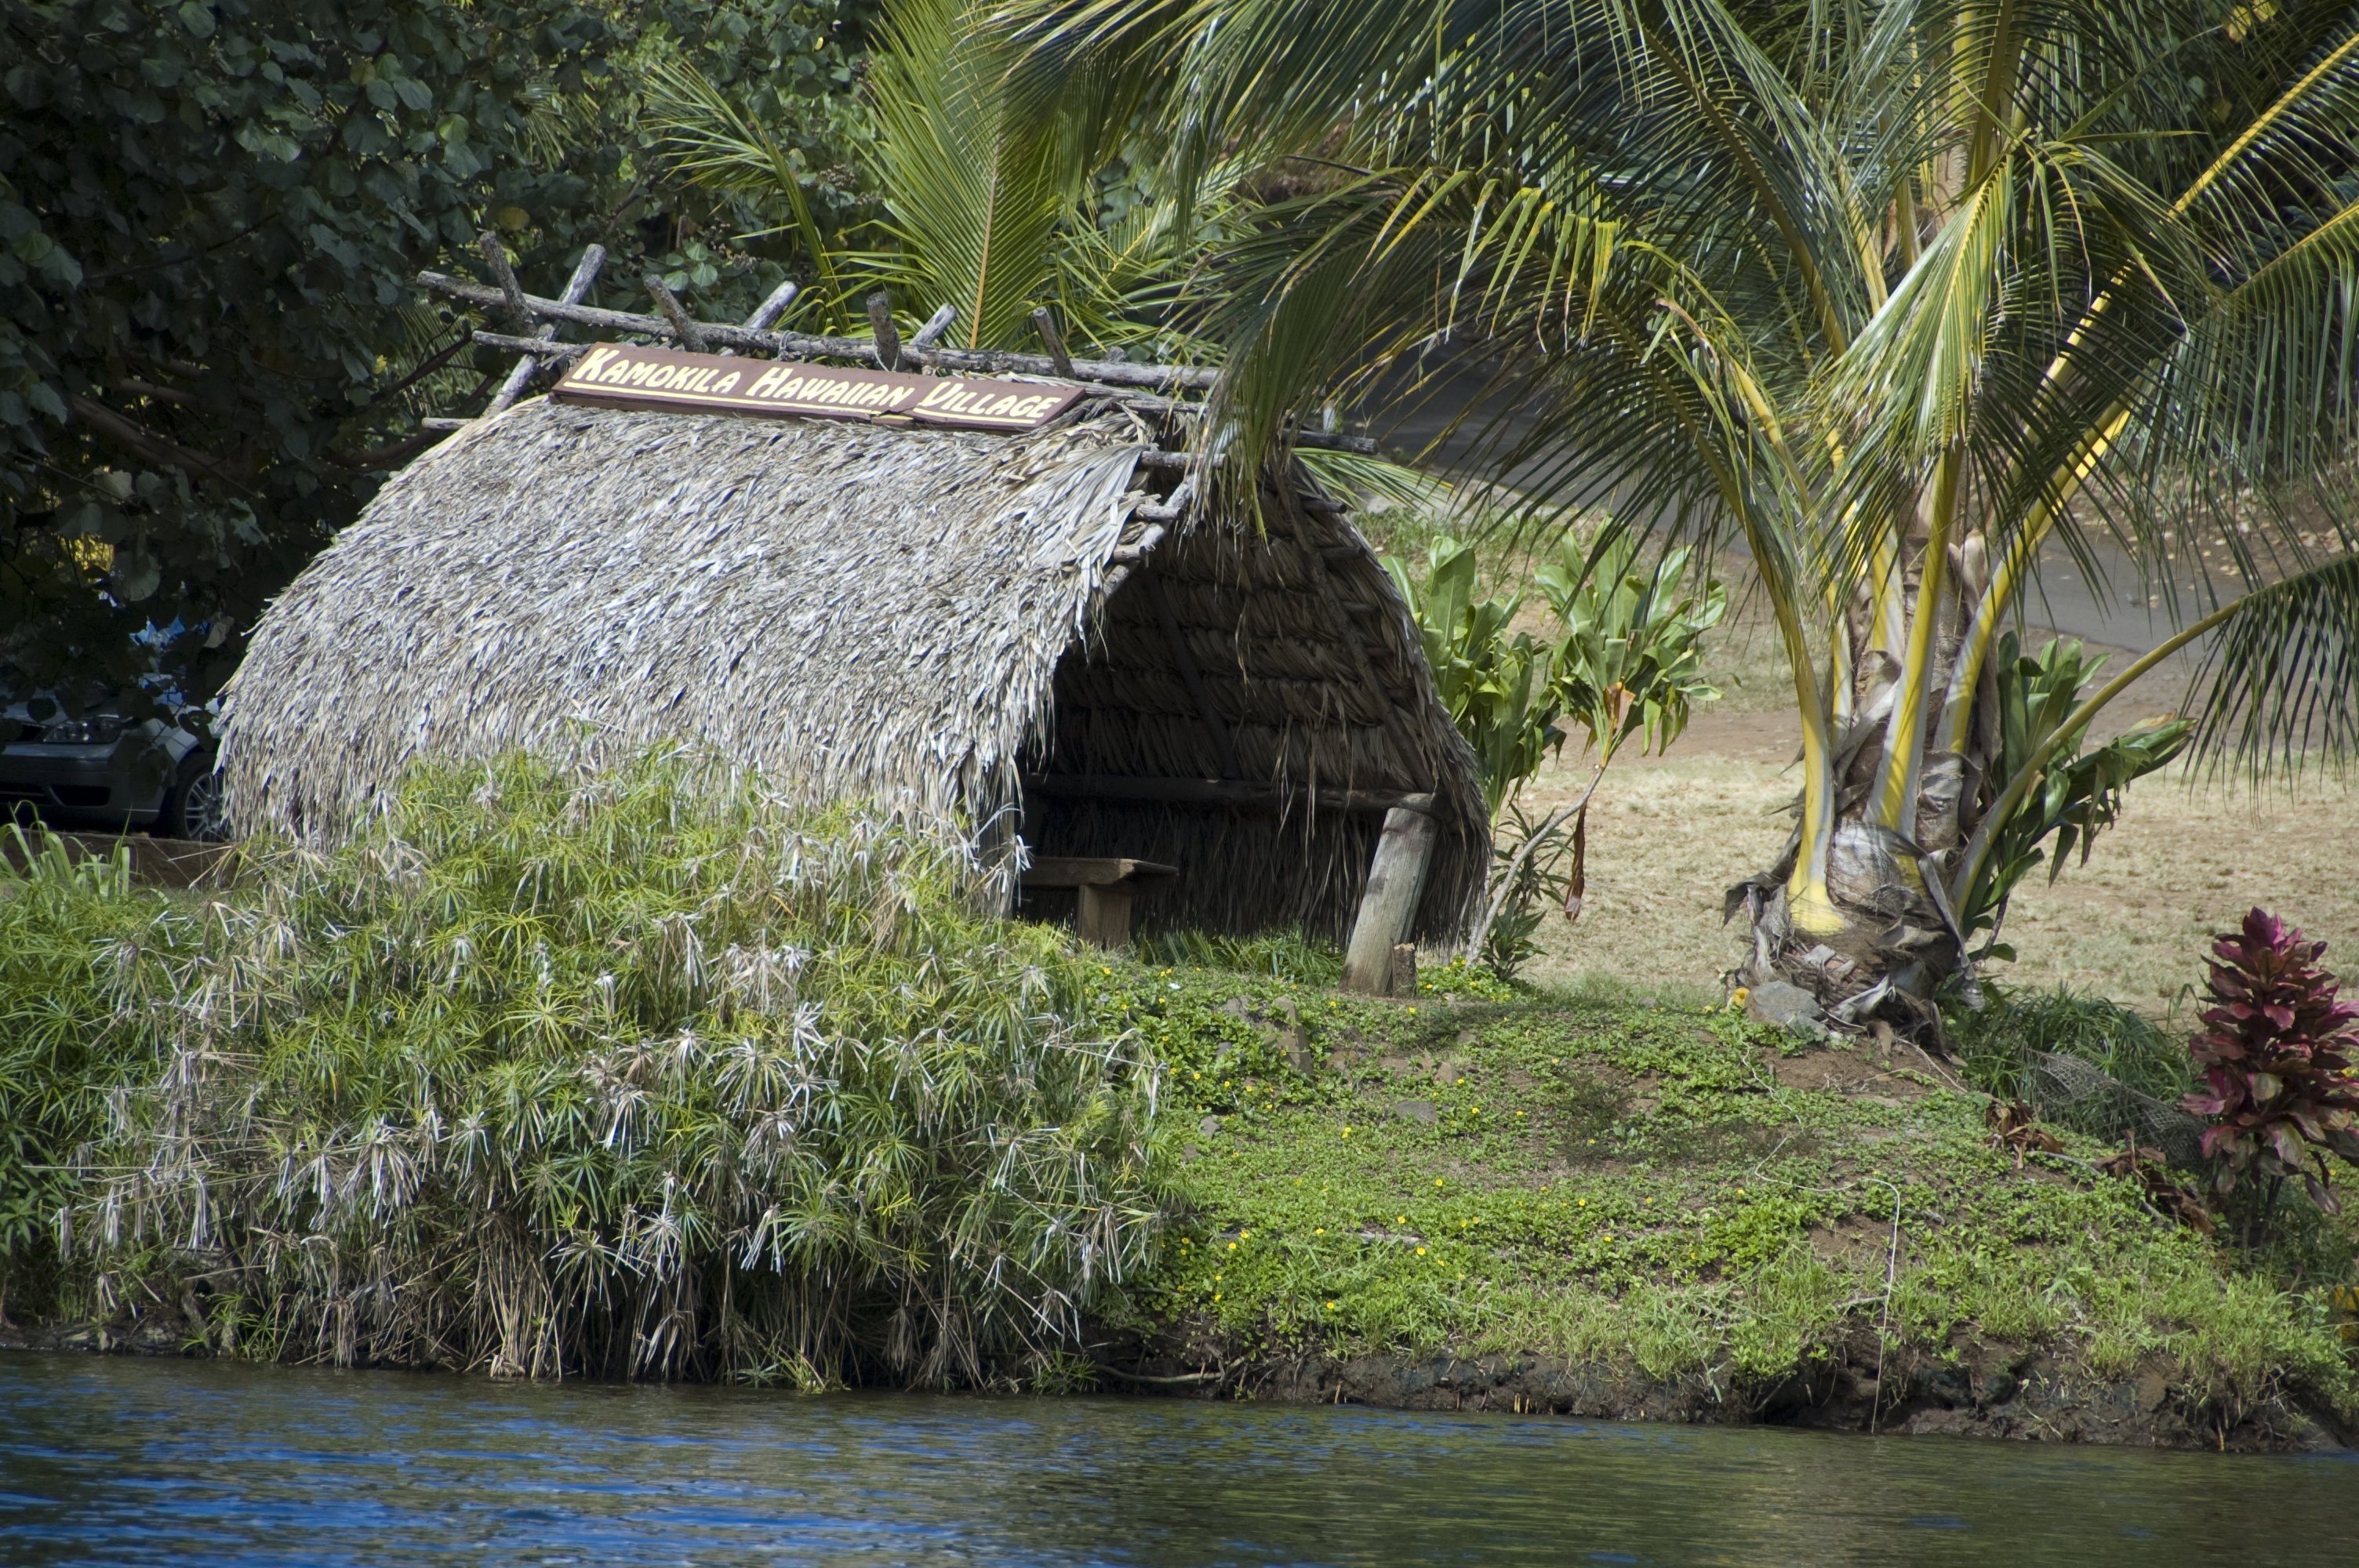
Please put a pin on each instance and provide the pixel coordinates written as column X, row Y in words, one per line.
column 1417, row 1110
column 1777, row 1003
column 1209, row 1126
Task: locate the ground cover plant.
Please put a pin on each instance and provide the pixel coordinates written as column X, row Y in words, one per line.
column 1671, row 1191
column 629, row 1074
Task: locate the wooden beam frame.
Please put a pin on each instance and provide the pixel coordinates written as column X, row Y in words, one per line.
column 1228, row 794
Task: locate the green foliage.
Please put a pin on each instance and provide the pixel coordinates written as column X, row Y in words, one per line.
column 212, row 344
column 1497, row 684
column 77, row 944
column 1627, row 662
column 2123, row 1044
column 991, row 165
column 636, row 1073
column 2078, row 793
column 212, row 215
column 1631, row 660
column 1628, row 1186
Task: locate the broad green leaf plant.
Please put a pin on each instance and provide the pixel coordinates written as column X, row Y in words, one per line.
column 1627, row 662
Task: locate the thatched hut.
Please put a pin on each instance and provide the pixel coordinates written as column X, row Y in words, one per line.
column 990, row 624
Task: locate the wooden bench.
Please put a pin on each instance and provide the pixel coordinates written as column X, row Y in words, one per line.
column 1106, row 886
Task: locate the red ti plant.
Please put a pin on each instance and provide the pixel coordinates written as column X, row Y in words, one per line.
column 2276, row 1050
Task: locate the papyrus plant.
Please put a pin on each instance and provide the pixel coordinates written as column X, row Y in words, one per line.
column 638, row 1072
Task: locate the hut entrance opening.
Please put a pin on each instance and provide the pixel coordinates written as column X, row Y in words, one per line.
column 1243, row 709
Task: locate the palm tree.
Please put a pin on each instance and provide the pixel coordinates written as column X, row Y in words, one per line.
column 988, row 157
column 1898, row 295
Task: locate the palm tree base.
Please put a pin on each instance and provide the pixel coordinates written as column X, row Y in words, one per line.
column 1877, row 945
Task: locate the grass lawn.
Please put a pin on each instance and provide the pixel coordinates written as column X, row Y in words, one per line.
column 1670, row 1192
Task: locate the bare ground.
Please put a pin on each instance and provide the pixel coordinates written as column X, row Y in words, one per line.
column 1668, row 835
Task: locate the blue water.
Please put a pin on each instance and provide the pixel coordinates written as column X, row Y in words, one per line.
column 115, row 1461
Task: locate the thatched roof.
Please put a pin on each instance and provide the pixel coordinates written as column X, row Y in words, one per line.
column 921, row 617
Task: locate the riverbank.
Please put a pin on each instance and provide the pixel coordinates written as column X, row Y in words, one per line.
column 604, row 1078
column 1607, row 1208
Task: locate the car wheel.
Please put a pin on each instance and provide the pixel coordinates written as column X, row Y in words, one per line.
column 193, row 809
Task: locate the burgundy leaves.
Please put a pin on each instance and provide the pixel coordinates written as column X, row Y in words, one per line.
column 2276, row 1051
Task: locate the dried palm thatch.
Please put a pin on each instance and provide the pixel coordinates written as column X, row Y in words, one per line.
column 948, row 623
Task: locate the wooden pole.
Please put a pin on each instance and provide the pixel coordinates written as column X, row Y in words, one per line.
column 1057, row 357
column 889, row 337
column 1388, row 909
column 585, row 273
column 683, row 326
column 804, row 345
column 936, row 325
column 511, row 295
column 1232, row 794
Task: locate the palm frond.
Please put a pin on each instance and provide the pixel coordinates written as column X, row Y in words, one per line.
column 2282, row 679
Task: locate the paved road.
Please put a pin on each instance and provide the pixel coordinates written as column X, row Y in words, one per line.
column 2068, row 603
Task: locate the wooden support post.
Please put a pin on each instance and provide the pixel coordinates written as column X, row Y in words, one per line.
column 889, row 337
column 1104, row 915
column 1055, row 341
column 585, row 273
column 936, row 325
column 769, row 310
column 1403, row 971
column 773, row 307
column 1388, row 909
column 683, row 326
column 511, row 295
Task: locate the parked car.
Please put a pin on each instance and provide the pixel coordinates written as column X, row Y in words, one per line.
column 105, row 771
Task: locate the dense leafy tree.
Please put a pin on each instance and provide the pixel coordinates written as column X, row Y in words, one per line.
column 212, row 215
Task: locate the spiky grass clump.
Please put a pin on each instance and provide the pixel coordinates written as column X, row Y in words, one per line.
column 72, row 931
column 2125, row 1045
column 633, row 1074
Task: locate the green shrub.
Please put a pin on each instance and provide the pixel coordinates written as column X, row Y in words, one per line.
column 71, row 937
column 640, row 1073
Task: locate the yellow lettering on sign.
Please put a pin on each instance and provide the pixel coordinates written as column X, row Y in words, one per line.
column 769, row 382
column 598, row 356
column 726, row 384
column 640, row 372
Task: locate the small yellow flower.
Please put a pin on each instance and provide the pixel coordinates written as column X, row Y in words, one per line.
column 1609, row 1236
column 1584, row 1202
column 1320, row 1231
column 1421, row 1251
column 1437, row 1181
column 1331, row 1306
column 1401, row 1219
column 1232, row 1245
column 1216, row 1295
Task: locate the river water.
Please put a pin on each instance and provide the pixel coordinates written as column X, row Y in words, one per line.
column 118, row 1461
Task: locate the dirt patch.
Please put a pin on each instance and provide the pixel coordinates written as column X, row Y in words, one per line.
column 1667, row 835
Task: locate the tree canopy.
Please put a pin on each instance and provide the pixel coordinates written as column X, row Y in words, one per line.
column 212, row 216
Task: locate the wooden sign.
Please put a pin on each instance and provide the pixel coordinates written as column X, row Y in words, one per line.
column 620, row 376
